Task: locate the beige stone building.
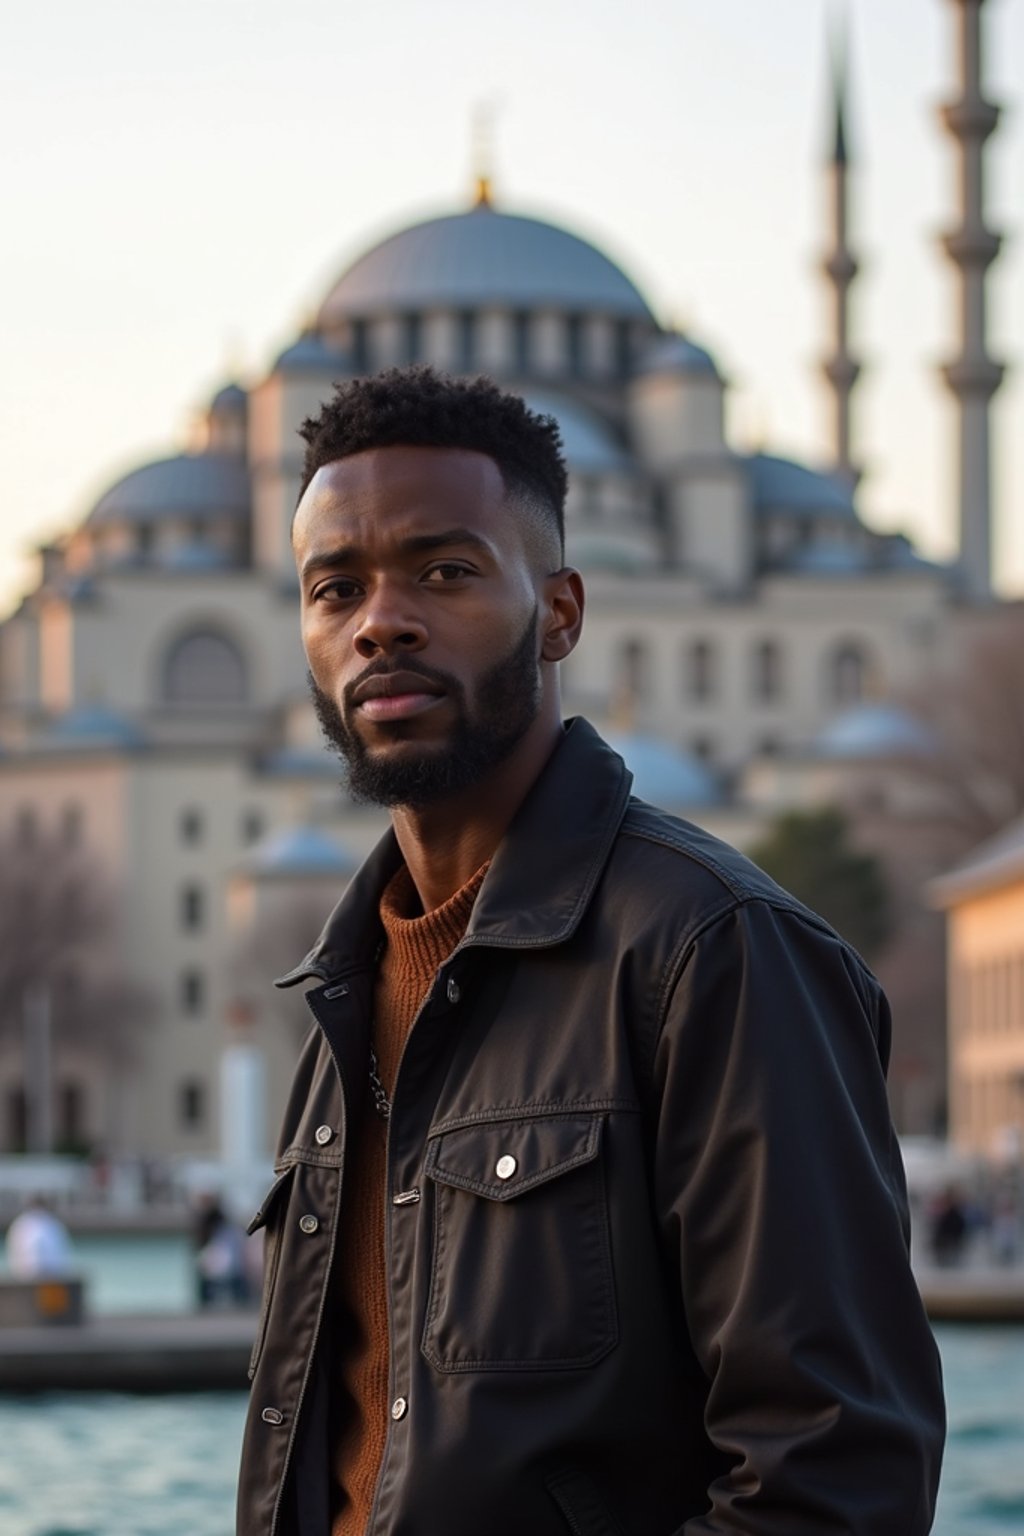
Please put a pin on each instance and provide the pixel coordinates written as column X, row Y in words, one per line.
column 743, row 618
column 984, row 904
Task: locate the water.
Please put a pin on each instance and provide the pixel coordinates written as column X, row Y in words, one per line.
column 151, row 1272
column 982, row 1490
column 104, row 1465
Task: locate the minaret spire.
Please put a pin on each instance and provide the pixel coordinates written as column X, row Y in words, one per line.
column 840, row 267
column 972, row 376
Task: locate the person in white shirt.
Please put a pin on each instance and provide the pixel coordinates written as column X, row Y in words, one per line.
column 38, row 1245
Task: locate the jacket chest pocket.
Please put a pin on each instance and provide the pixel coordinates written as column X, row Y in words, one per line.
column 521, row 1274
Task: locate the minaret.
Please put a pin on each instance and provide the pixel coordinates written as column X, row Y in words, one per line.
column 972, row 376
column 840, row 268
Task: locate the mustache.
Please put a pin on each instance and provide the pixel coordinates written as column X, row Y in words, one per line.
column 388, row 668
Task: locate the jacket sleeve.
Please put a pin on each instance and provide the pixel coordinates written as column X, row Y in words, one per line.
column 781, row 1197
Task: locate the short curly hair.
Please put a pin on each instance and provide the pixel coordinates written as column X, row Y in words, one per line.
column 420, row 407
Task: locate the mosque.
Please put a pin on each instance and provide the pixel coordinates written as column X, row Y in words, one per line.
column 745, row 628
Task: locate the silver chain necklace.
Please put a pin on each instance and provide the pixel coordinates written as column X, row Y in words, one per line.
column 381, row 1102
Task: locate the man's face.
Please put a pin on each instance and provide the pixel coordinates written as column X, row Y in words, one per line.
column 419, row 618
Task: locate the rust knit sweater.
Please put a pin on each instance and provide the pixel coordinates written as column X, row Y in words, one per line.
column 415, row 945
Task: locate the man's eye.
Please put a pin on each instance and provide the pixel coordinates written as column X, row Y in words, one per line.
column 341, row 589
column 448, row 570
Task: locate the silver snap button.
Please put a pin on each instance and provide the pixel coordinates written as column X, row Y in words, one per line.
column 454, row 990
column 272, row 1416
column 308, row 1224
column 324, row 1134
column 506, row 1167
column 399, row 1408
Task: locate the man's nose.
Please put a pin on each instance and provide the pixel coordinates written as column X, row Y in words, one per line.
column 389, row 623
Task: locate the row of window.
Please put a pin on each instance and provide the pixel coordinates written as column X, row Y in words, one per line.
column 28, row 829
column 192, row 826
column 991, row 1103
column 206, row 667
column 70, row 1121
column 71, row 824
column 992, row 999
column 525, row 351
column 845, row 672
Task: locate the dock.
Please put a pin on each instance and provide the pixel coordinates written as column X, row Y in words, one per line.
column 195, row 1352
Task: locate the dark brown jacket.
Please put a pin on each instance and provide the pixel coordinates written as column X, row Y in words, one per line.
column 646, row 1219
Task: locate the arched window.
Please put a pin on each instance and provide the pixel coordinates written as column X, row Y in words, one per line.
column 204, row 667
column 634, row 670
column 767, row 677
column 701, row 671
column 847, row 673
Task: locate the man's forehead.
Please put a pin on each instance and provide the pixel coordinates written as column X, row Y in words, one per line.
column 413, row 474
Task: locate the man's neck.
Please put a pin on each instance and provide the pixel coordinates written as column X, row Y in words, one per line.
column 445, row 844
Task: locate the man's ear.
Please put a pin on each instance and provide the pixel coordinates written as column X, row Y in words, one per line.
column 561, row 614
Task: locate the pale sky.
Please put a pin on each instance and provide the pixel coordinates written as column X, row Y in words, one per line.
column 181, row 184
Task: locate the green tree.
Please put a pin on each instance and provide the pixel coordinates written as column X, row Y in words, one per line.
column 812, row 855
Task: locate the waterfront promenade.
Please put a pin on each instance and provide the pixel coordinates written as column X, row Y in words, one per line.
column 190, row 1351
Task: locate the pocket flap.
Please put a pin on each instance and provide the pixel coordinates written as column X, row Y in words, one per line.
column 505, row 1158
column 270, row 1199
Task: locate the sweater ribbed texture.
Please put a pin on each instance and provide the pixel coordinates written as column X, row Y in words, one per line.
column 415, row 946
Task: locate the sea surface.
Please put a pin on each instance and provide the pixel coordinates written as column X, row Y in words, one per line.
column 110, row 1465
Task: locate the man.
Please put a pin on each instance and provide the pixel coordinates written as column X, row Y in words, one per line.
column 590, row 1216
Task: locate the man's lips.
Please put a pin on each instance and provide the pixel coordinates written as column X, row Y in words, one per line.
column 395, row 695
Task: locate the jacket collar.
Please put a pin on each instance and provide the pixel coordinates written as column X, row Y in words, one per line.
column 541, row 877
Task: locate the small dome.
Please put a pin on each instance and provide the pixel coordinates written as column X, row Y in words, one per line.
column 189, row 485
column 311, row 354
column 664, row 775
column 93, row 725
column 297, row 851
column 232, row 399
column 780, row 485
column 591, row 446
column 478, row 259
column 675, row 353
column 874, row 730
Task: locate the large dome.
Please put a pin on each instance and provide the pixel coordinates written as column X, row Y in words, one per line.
column 478, row 259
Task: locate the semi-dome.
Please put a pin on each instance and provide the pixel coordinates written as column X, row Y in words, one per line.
column 781, row 485
column 300, row 851
column 676, row 353
column 874, row 730
column 591, row 446
column 189, row 485
column 482, row 258
column 664, row 775
column 827, row 558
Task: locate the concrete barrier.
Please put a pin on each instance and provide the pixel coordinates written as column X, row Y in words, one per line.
column 58, row 1299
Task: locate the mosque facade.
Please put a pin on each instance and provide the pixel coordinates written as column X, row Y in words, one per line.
column 742, row 619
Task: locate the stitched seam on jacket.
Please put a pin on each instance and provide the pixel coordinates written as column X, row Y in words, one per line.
column 532, row 1111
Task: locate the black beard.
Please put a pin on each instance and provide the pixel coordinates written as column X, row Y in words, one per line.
column 507, row 702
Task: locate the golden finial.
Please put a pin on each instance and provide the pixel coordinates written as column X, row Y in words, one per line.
column 483, row 152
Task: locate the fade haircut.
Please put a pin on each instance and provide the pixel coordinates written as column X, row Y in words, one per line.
column 421, row 408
